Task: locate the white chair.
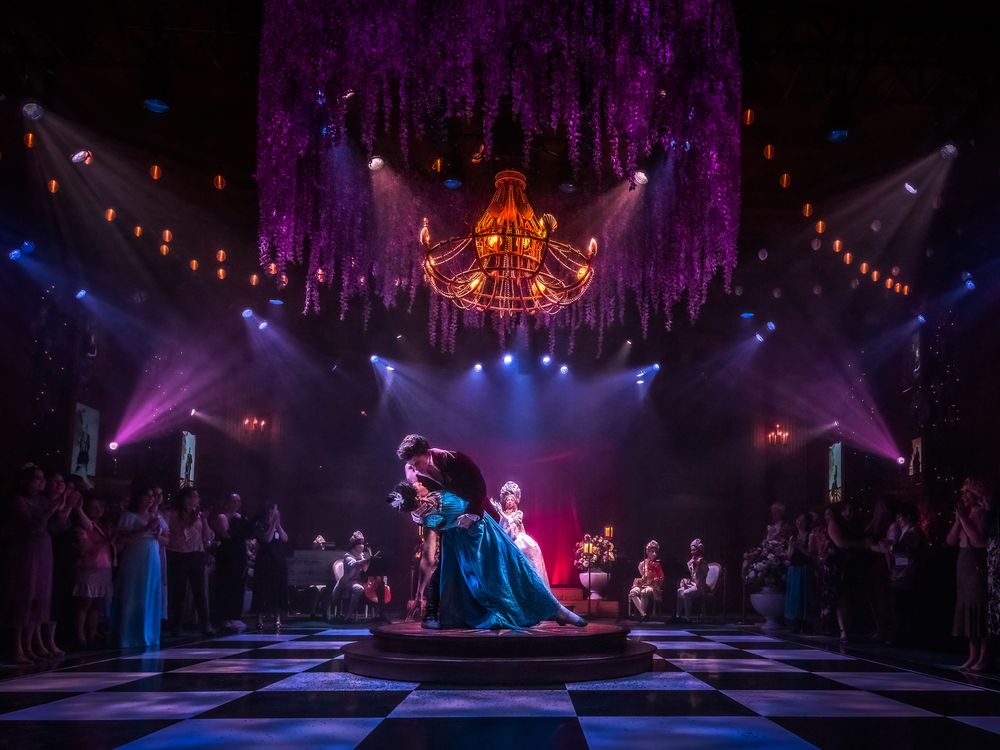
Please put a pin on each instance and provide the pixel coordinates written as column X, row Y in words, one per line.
column 712, row 579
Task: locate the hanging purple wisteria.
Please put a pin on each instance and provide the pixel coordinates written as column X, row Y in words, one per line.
column 629, row 84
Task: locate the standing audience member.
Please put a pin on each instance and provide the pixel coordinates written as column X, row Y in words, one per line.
column 270, row 588
column 876, row 564
column 692, row 589
column 969, row 534
column 798, row 585
column 187, row 553
column 232, row 530
column 843, row 570
column 26, row 595
column 993, row 570
column 138, row 602
column 819, row 544
column 904, row 575
column 93, row 586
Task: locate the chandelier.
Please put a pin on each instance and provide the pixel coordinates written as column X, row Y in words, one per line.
column 509, row 263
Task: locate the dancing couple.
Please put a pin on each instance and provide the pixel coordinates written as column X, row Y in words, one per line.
column 483, row 580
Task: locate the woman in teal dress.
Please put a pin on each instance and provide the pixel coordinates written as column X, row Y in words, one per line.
column 486, row 581
column 138, row 601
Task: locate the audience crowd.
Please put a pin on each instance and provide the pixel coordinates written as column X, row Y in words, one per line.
column 844, row 573
column 113, row 571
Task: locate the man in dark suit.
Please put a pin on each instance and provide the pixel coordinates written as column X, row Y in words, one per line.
column 456, row 473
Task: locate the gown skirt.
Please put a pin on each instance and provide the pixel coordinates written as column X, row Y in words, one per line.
column 137, row 605
column 486, row 581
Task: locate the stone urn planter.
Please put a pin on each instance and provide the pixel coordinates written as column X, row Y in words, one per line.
column 595, row 581
column 769, row 603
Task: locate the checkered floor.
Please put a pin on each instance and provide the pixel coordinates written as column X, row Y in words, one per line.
column 711, row 688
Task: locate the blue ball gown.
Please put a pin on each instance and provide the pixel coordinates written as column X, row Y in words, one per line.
column 486, row 581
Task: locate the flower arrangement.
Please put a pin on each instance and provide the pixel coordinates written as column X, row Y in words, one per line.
column 765, row 566
column 594, row 552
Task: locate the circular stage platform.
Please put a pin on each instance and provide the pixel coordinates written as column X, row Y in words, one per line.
column 546, row 653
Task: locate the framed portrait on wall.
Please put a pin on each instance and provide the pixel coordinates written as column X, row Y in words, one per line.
column 189, row 443
column 835, row 473
column 83, row 453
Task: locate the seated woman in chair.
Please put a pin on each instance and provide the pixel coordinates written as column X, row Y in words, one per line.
column 648, row 587
column 694, row 588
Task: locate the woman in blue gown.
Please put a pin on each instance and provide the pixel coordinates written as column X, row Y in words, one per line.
column 138, row 601
column 486, row 581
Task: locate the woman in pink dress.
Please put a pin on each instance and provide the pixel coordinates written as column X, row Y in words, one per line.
column 93, row 586
column 512, row 521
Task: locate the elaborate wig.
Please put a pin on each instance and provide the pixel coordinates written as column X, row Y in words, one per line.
column 653, row 544
column 510, row 489
column 356, row 538
column 698, row 546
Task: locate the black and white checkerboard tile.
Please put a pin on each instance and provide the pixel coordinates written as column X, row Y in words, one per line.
column 721, row 688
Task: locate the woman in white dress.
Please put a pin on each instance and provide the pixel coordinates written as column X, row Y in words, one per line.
column 512, row 521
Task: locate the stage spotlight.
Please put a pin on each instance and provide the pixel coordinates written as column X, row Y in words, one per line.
column 156, row 106
column 508, row 359
column 33, row 111
column 478, row 367
column 390, row 368
column 112, row 446
column 770, row 325
column 82, row 157
column 452, row 184
column 81, row 293
column 949, row 151
column 546, row 360
column 262, row 325
column 567, row 187
column 921, row 319
column 193, row 412
column 14, row 254
column 641, row 178
column 399, row 336
column 564, row 369
column 376, row 163
column 970, row 284
column 656, row 366
column 911, row 189
column 373, row 358
column 276, row 301
column 639, row 382
column 836, row 423
column 746, row 315
column 901, row 460
column 248, row 313
column 628, row 342
column 759, row 337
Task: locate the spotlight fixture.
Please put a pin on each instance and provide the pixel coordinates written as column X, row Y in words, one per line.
column 770, row 325
column 921, row 319
column 14, row 254
column 82, row 157
column 628, row 342
column 746, row 315
column 112, row 446
column 564, row 369
column 759, row 337
column 836, row 423
column 452, row 183
column 33, row 111
column 656, row 366
column 390, row 368
column 248, row 313
column 276, row 301
column 156, row 106
column 373, row 358
column 547, row 360
column 901, row 460
column 193, row 412
column 970, row 284
column 639, row 382
column 376, row 163
column 399, row 336
column 949, row 151
column 641, row 178
column 478, row 367
column 910, row 188
column 81, row 293
column 508, row 359
column 567, row 187
column 262, row 325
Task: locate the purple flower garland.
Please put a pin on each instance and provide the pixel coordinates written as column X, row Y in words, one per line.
column 627, row 81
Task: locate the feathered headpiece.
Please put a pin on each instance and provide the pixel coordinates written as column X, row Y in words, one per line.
column 510, row 489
